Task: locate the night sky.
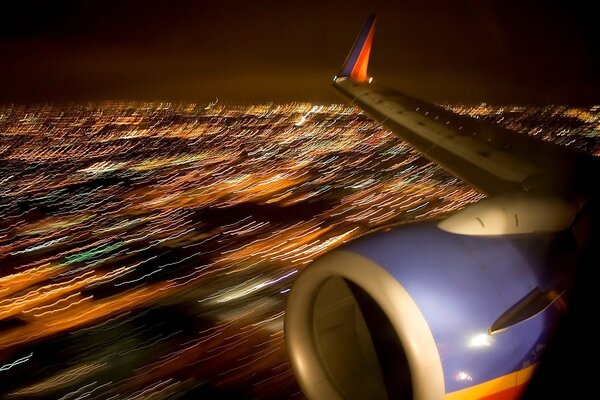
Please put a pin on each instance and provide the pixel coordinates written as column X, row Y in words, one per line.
column 262, row 50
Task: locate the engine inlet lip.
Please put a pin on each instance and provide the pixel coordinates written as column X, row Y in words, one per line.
column 397, row 304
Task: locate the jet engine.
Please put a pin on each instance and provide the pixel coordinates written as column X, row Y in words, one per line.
column 420, row 312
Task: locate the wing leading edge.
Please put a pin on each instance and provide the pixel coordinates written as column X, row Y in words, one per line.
column 492, row 159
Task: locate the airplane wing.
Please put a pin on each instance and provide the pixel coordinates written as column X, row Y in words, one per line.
column 492, row 159
column 451, row 309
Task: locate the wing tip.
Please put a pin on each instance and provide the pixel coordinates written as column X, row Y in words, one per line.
column 355, row 66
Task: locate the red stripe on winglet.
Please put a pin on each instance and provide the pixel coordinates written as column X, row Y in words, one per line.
column 359, row 72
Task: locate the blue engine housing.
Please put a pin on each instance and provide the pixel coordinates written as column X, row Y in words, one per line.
column 460, row 284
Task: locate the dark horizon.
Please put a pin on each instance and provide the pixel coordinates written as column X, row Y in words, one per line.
column 270, row 51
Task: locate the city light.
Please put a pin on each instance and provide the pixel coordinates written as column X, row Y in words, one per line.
column 153, row 245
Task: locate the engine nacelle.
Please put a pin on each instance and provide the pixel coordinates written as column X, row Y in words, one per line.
column 512, row 213
column 407, row 313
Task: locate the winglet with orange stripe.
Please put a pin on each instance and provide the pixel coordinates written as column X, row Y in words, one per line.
column 357, row 61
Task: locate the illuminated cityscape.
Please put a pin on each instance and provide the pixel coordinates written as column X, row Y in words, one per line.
column 147, row 249
column 577, row 127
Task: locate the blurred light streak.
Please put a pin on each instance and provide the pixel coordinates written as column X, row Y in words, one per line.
column 165, row 237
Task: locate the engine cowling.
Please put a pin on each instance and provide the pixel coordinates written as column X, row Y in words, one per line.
column 407, row 313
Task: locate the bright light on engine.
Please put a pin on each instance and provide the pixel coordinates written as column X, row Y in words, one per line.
column 463, row 376
column 480, row 340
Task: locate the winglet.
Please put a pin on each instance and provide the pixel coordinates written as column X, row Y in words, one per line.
column 357, row 61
